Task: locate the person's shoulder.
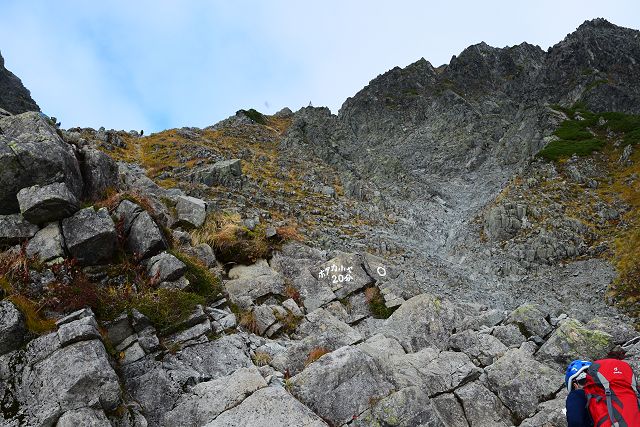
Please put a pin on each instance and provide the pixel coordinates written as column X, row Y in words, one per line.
column 576, row 395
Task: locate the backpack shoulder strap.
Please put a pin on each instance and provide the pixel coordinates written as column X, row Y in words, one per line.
column 604, row 382
column 634, row 386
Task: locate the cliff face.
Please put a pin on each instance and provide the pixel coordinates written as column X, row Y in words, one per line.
column 14, row 97
column 434, row 254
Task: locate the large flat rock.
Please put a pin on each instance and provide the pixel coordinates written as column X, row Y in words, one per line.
column 341, row 385
column 270, row 406
column 47, row 203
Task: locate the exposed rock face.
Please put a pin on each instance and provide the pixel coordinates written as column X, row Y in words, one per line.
column 38, row 379
column 32, row 153
column 143, row 236
column 322, row 386
column 14, row 229
column 11, row 326
column 14, row 97
column 47, row 243
column 90, row 236
column 100, row 173
column 191, row 211
column 221, row 173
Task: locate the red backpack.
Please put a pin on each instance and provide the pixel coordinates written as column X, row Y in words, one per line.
column 612, row 394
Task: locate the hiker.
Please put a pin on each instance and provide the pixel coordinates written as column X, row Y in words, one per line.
column 575, row 379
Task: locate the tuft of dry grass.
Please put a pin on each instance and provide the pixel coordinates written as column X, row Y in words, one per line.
column 291, row 292
column 289, row 233
column 316, row 354
column 14, row 265
column 248, row 321
column 34, row 320
column 261, row 358
column 235, row 243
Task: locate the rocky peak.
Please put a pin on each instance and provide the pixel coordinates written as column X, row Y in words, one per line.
column 596, row 23
column 14, row 97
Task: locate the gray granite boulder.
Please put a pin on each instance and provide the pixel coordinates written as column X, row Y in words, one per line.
column 217, row 358
column 341, row 385
column 254, row 281
column 127, row 212
column 48, row 203
column 319, row 330
column 531, row 320
column 157, row 385
column 14, row 229
column 509, row 335
column 521, row 382
column 203, row 253
column 344, row 274
column 296, row 262
column 191, row 212
column 32, row 153
column 621, row 332
column 90, row 236
column 76, row 315
column 72, row 377
column 84, row 417
column 405, row 408
column 12, row 327
column 165, row 267
column 264, row 318
column 209, row 399
column 83, row 329
column 422, row 321
column 119, row 329
column 269, row 406
column 482, row 348
column 143, row 236
column 450, row 410
column 100, row 173
column 220, row 173
column 549, row 413
column 481, row 407
column 47, row 243
column 432, row 370
column 572, row 340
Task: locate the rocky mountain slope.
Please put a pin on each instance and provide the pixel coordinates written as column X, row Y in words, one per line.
column 14, row 97
column 432, row 255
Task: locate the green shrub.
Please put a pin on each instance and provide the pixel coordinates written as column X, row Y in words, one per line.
column 632, row 137
column 557, row 150
column 376, row 303
column 255, row 115
column 573, row 130
column 201, row 281
column 167, row 307
column 577, row 135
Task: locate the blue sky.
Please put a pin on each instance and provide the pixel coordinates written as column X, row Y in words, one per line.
column 154, row 65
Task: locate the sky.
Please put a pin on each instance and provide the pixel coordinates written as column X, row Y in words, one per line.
column 154, row 65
